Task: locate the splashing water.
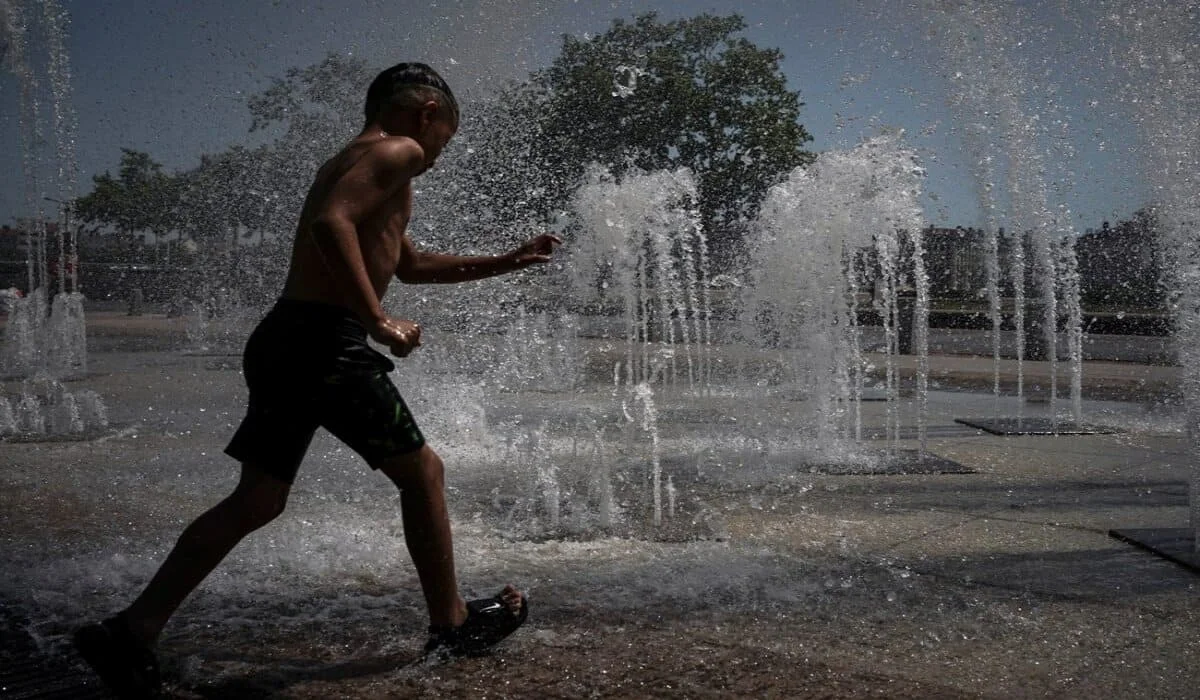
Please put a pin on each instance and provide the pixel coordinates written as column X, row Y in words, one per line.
column 642, row 247
column 1004, row 132
column 46, row 408
column 850, row 216
column 833, row 234
column 1164, row 94
column 43, row 336
column 626, row 80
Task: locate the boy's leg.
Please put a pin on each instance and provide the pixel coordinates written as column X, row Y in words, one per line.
column 256, row 501
column 419, row 476
column 366, row 412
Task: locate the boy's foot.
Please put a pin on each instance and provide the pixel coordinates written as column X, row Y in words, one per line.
column 125, row 665
column 489, row 621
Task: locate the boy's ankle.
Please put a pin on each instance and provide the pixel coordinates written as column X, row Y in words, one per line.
column 455, row 618
column 144, row 632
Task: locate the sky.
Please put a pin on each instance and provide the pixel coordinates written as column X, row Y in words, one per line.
column 170, row 77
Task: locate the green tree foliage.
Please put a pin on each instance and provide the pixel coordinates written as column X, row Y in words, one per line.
column 140, row 199
column 231, row 192
column 325, row 99
column 704, row 98
column 684, row 93
column 310, row 113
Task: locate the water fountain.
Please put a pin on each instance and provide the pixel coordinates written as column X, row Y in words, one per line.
column 644, row 249
column 1007, row 140
column 1162, row 50
column 631, row 453
column 639, row 256
column 45, row 338
column 856, row 217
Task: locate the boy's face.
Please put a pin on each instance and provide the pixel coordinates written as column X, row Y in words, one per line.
column 438, row 135
column 437, row 130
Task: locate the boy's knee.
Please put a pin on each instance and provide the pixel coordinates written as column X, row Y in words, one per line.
column 258, row 499
column 255, row 510
column 421, row 470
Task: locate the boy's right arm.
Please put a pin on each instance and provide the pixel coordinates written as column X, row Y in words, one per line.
column 363, row 189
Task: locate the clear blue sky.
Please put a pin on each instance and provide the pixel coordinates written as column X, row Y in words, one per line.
column 169, row 76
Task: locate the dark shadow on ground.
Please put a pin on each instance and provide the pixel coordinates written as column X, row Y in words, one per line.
column 1092, row 574
column 274, row 676
column 958, row 495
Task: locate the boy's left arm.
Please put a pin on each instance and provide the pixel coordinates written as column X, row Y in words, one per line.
column 419, row 267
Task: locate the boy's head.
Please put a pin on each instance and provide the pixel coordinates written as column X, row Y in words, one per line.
column 412, row 97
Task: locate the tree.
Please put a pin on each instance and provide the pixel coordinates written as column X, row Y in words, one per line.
column 319, row 101
column 645, row 94
column 141, row 199
column 652, row 95
column 312, row 112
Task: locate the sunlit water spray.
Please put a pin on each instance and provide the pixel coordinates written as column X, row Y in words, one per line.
column 642, row 249
column 555, row 468
column 1164, row 96
column 1007, row 122
column 45, row 334
column 827, row 237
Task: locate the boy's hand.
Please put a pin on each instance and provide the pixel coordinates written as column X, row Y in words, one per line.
column 401, row 336
column 537, row 250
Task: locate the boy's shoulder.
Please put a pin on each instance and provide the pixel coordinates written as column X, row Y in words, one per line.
column 390, row 157
column 388, row 151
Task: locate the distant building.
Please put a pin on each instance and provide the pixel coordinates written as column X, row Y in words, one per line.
column 955, row 260
column 1121, row 265
column 11, row 244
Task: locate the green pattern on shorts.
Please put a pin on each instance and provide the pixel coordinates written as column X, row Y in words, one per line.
column 367, row 413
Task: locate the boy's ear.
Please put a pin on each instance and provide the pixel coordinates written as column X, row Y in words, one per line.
column 429, row 112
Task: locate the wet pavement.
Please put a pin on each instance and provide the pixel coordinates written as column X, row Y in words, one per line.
column 1000, row 581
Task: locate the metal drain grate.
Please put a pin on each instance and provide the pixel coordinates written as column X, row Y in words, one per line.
column 32, row 677
column 27, row 673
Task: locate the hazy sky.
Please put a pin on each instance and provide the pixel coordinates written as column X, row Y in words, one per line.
column 170, row 76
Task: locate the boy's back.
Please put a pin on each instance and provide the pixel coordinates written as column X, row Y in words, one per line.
column 366, row 184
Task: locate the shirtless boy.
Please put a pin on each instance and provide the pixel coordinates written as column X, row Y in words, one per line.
column 308, row 364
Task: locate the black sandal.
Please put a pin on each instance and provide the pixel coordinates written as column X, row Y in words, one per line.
column 488, row 622
column 125, row 665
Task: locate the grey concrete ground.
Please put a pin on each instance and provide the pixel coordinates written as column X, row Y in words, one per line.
column 1001, row 583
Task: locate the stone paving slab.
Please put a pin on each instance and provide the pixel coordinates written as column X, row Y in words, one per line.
column 1002, row 583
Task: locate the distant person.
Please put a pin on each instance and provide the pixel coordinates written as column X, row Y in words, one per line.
column 308, row 364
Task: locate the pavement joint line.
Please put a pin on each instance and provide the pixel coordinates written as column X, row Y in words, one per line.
column 927, row 533
column 995, row 516
column 1042, row 448
column 970, row 518
column 1057, row 596
column 1060, row 526
column 1150, row 459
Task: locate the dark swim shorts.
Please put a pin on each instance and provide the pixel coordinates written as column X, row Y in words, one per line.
column 308, row 365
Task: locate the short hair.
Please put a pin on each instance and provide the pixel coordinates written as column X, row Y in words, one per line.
column 410, row 85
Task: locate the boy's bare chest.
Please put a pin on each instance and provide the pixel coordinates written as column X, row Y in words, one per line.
column 382, row 238
column 395, row 213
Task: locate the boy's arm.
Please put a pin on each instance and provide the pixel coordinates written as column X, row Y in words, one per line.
column 419, row 267
column 376, row 177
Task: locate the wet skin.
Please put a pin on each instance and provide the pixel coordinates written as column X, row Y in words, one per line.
column 350, row 243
